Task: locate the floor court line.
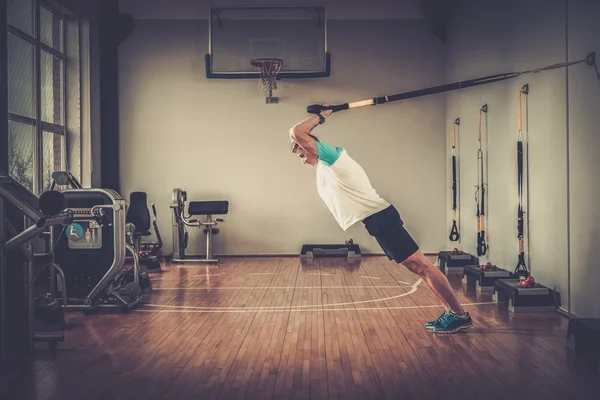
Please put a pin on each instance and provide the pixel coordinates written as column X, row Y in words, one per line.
column 411, row 291
column 282, row 287
column 315, row 308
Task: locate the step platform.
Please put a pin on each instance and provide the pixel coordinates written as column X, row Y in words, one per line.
column 483, row 280
column 524, row 300
column 583, row 340
column 451, row 264
column 330, row 250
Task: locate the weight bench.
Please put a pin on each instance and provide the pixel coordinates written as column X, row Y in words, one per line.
column 207, row 208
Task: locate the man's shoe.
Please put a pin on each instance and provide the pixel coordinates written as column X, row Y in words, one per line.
column 437, row 322
column 453, row 323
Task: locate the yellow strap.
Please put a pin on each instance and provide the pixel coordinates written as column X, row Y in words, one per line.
column 454, row 134
column 480, row 111
column 519, row 117
column 561, row 65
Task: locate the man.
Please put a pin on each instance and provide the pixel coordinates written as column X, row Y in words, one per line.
column 346, row 190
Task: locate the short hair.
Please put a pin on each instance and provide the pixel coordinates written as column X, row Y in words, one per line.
column 295, row 145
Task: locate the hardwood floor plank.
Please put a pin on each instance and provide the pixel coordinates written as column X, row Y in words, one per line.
column 284, row 328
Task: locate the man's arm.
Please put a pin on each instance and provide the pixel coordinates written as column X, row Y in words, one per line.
column 300, row 133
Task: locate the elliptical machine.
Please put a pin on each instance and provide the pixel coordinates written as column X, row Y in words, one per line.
column 180, row 221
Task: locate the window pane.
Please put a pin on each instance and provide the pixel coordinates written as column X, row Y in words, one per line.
column 21, row 139
column 51, row 88
column 20, row 15
column 73, row 100
column 50, row 29
column 52, row 158
column 21, row 82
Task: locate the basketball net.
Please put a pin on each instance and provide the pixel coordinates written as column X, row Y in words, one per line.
column 268, row 69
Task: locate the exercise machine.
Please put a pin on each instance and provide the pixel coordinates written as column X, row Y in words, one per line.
column 181, row 221
column 19, row 208
column 91, row 252
column 139, row 216
column 65, row 178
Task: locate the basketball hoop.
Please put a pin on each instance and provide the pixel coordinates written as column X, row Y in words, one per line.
column 268, row 68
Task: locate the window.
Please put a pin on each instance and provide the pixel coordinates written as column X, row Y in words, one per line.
column 43, row 91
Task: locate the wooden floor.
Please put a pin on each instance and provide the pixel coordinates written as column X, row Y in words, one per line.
column 276, row 328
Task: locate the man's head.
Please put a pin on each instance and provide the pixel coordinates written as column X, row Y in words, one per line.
column 306, row 157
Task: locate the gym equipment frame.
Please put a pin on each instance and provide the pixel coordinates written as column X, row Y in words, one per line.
column 94, row 267
column 46, row 211
column 180, row 221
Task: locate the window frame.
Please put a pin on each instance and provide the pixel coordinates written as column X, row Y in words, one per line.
column 43, row 127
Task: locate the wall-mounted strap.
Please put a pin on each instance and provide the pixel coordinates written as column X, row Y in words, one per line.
column 454, row 234
column 317, row 108
column 521, row 268
column 481, row 187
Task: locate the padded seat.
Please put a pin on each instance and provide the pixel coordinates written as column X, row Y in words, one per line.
column 208, row 207
column 138, row 214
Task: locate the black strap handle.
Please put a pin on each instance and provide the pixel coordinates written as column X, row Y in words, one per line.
column 454, row 235
column 317, row 108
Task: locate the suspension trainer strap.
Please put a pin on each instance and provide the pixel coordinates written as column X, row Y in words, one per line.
column 454, row 234
column 481, row 242
column 317, row 108
column 521, row 268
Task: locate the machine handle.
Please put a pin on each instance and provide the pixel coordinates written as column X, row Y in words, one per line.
column 190, row 222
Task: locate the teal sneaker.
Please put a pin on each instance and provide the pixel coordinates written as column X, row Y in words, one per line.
column 437, row 322
column 453, row 323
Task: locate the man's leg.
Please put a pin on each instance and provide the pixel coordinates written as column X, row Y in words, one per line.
column 440, row 298
column 435, row 279
column 458, row 319
column 388, row 229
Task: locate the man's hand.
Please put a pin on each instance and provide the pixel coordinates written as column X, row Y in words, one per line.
column 300, row 133
column 326, row 113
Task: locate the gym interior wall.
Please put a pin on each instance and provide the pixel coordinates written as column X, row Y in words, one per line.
column 217, row 139
column 560, row 128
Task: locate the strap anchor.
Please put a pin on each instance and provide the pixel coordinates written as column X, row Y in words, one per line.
column 591, row 59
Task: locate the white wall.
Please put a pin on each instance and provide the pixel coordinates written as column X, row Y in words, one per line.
column 217, row 139
column 514, row 36
column 584, row 147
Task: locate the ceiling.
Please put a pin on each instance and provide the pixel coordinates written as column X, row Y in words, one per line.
column 336, row 9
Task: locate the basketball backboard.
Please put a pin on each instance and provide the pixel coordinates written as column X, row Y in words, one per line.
column 296, row 35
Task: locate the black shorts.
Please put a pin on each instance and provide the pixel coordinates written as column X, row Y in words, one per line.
column 387, row 228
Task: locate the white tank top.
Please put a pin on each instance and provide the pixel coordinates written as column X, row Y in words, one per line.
column 345, row 188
